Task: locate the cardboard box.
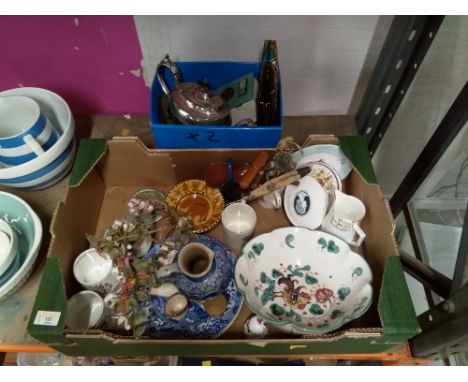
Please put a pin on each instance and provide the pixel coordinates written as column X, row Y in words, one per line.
column 103, row 179
column 169, row 136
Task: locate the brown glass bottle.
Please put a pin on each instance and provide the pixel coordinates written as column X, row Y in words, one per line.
column 267, row 97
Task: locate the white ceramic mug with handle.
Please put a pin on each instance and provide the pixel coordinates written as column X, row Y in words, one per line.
column 344, row 217
column 95, row 271
column 25, row 132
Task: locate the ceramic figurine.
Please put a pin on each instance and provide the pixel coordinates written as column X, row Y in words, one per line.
column 255, row 327
column 164, row 290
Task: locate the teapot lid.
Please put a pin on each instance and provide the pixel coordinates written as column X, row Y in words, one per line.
column 194, row 103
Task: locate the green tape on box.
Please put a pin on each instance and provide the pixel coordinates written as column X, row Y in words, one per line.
column 355, row 149
column 89, row 152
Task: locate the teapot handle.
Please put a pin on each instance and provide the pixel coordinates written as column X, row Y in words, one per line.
column 166, row 62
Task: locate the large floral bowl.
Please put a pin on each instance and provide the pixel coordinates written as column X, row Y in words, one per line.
column 303, row 281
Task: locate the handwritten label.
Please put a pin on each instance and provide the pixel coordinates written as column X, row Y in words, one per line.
column 46, row 318
column 208, row 135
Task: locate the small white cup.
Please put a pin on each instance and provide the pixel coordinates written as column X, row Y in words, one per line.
column 25, row 132
column 87, row 309
column 273, row 200
column 95, row 271
column 239, row 221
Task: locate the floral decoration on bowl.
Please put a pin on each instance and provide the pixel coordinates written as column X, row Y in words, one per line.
column 303, row 281
column 201, row 204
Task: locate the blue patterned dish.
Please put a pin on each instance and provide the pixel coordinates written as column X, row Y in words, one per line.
column 196, row 323
column 303, row 281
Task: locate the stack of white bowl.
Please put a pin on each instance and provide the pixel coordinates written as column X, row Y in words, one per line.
column 46, row 168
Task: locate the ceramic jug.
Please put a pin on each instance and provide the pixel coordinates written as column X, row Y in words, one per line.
column 344, row 217
column 199, row 272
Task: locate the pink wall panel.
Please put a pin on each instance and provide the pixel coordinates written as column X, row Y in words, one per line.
column 91, row 61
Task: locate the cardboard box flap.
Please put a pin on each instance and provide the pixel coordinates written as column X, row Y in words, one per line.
column 130, row 162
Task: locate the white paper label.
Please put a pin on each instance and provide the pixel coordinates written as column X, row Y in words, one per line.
column 47, row 318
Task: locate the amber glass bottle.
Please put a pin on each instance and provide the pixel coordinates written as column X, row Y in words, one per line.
column 267, row 97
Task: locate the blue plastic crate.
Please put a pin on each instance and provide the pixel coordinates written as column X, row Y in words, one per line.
column 170, row 136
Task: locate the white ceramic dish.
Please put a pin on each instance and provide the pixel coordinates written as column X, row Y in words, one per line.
column 8, row 246
column 305, row 204
column 51, row 166
column 303, row 281
column 328, row 154
column 28, row 228
column 5, row 276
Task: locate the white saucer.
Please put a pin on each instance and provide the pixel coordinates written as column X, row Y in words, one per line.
column 329, row 154
column 306, row 204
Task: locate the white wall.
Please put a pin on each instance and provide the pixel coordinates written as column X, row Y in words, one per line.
column 440, row 78
column 325, row 61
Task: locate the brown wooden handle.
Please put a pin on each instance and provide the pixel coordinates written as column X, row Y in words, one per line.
column 274, row 184
column 257, row 164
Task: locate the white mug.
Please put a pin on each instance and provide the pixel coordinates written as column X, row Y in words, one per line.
column 239, row 220
column 25, row 132
column 273, row 200
column 87, row 309
column 95, row 271
column 344, row 217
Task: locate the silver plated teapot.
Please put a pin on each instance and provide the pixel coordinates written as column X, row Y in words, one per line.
column 192, row 103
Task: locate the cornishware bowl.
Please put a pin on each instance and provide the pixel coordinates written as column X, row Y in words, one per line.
column 303, row 281
column 28, row 228
column 53, row 164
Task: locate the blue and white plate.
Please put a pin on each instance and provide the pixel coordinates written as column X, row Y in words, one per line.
column 197, row 323
column 328, row 154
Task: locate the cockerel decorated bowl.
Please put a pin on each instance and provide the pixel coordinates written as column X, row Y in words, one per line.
column 303, row 281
